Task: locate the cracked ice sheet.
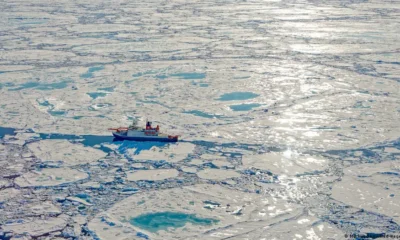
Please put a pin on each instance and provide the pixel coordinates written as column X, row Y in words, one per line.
column 50, row 177
column 9, row 193
column 34, row 209
column 301, row 124
column 171, row 153
column 286, row 163
column 318, row 122
column 191, row 200
column 217, row 160
column 62, row 150
column 301, row 54
column 296, row 229
column 373, row 187
column 21, row 138
column 38, row 227
column 44, row 208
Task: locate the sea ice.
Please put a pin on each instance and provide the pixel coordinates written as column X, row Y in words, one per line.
column 152, row 175
column 37, row 227
column 373, row 187
column 50, row 177
column 279, row 106
column 8, row 193
column 288, row 163
column 217, row 174
column 234, row 209
column 170, row 153
column 68, row 153
column 296, row 229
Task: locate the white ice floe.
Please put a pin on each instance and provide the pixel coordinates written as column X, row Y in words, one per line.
column 373, row 187
column 8, row 193
column 304, row 228
column 217, row 160
column 171, row 152
column 189, row 169
column 152, row 175
column 38, row 227
column 91, row 185
column 50, row 177
column 78, row 200
column 289, row 163
column 44, row 208
column 217, row 174
column 193, row 200
column 62, row 150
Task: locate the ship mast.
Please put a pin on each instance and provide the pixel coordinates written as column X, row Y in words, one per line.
column 134, row 124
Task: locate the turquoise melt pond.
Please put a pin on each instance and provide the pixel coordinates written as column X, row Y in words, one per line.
column 42, row 86
column 6, row 131
column 244, row 107
column 107, row 89
column 56, row 113
column 91, row 70
column 237, row 96
column 189, row 75
column 200, row 114
column 154, row 222
column 95, row 95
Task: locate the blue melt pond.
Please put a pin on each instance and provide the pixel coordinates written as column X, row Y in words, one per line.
column 105, row 35
column 107, row 89
column 244, row 107
column 95, row 95
column 144, row 73
column 83, row 196
column 45, row 103
column 200, row 114
column 237, row 96
column 56, row 113
column 193, row 75
column 42, row 86
column 137, row 74
column 138, row 146
column 7, row 84
column 92, row 140
column 360, row 104
column 89, row 73
column 6, row 131
column 98, row 106
column 161, row 76
column 28, row 21
column 87, row 140
column 154, row 222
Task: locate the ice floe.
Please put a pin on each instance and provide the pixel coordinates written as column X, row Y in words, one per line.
column 38, row 227
column 8, row 193
column 44, row 208
column 217, row 174
column 152, row 175
column 301, row 228
column 288, row 163
column 50, row 177
column 68, row 153
column 373, row 187
column 170, row 153
column 235, row 213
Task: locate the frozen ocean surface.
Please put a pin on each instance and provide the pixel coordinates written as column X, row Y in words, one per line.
column 288, row 113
